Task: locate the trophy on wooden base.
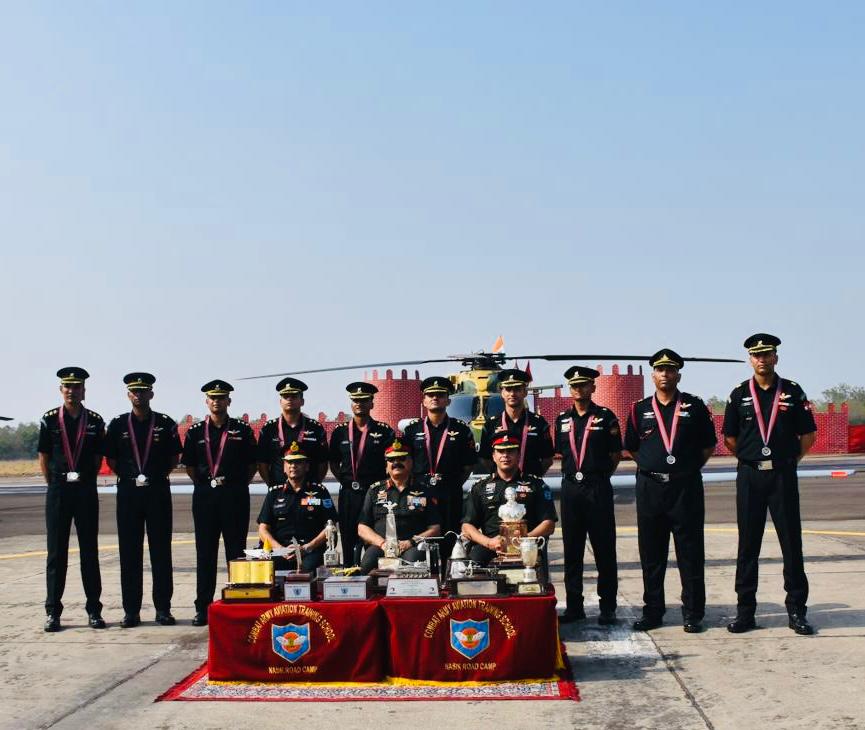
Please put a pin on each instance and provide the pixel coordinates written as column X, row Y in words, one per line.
column 391, row 543
column 331, row 556
column 512, row 528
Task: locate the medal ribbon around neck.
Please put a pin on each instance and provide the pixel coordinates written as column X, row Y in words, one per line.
column 300, row 435
column 139, row 462
column 578, row 458
column 670, row 438
column 765, row 431
column 72, row 458
column 523, row 438
column 355, row 460
column 214, row 465
column 434, row 467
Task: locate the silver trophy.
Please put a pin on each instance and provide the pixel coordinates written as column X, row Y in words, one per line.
column 529, row 555
column 331, row 556
column 298, row 553
column 391, row 543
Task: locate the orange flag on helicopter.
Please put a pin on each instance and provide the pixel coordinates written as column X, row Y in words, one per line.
column 499, row 344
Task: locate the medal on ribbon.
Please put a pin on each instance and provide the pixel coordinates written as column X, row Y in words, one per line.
column 215, row 481
column 765, row 431
column 355, row 460
column 141, row 480
column 580, row 457
column 666, row 438
column 427, row 437
column 71, row 455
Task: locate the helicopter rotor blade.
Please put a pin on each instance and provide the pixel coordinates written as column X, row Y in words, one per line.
column 350, row 367
column 614, row 357
column 6, row 418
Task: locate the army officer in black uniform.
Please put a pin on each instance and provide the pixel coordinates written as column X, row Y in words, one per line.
column 443, row 452
column 291, row 425
column 357, row 460
column 219, row 456
column 415, row 510
column 769, row 426
column 670, row 435
column 70, row 453
column 590, row 442
column 481, row 519
column 531, row 430
column 142, row 447
column 299, row 510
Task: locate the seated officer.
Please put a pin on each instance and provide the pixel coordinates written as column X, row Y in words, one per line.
column 481, row 509
column 298, row 509
column 416, row 511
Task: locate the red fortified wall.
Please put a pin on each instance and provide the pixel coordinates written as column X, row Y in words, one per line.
column 397, row 398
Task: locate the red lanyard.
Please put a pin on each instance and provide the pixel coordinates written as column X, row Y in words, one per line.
column 214, row 466
column 434, row 467
column 578, row 459
column 72, row 458
column 765, row 431
column 138, row 460
column 355, row 460
column 299, row 435
column 524, row 436
column 668, row 439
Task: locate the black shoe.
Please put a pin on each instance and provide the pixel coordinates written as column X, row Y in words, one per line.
column 164, row 618
column 130, row 621
column 571, row 615
column 741, row 624
column 800, row 625
column 95, row 621
column 607, row 618
column 647, row 623
column 692, row 627
column 200, row 619
column 52, row 624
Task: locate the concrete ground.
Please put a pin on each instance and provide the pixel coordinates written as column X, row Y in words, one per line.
column 666, row 679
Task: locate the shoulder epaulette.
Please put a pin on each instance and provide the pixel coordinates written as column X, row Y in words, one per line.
column 380, row 483
column 94, row 414
column 413, row 421
column 485, row 480
column 197, row 424
column 275, row 487
column 163, row 416
column 52, row 412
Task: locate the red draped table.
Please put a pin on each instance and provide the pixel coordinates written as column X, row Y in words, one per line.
column 303, row 642
column 473, row 639
column 459, row 640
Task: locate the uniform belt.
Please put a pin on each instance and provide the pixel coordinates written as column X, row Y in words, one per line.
column 664, row 477
column 573, row 476
column 768, row 464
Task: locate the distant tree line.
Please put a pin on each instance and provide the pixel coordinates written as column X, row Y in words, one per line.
column 19, row 442
column 852, row 395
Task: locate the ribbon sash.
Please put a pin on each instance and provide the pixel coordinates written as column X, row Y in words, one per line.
column 523, row 438
column 765, row 431
column 300, row 434
column 139, row 462
column 427, row 437
column 670, row 438
column 578, row 458
column 355, row 460
column 214, row 465
column 72, row 456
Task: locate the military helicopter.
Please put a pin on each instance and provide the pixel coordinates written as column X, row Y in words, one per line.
column 476, row 393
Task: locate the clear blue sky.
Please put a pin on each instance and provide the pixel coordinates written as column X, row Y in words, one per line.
column 223, row 189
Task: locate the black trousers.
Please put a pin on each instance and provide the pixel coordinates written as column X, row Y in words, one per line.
column 141, row 509
column 675, row 507
column 348, row 512
column 372, row 554
column 587, row 511
column 777, row 490
column 450, row 495
column 64, row 504
column 216, row 511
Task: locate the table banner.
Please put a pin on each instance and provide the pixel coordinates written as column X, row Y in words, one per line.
column 297, row 642
column 473, row 639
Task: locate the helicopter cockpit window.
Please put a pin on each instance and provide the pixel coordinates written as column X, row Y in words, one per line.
column 464, row 407
column 493, row 406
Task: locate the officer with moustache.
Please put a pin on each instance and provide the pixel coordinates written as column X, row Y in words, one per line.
column 590, row 443
column 219, row 456
column 769, row 426
column 357, row 460
column 443, row 453
column 71, row 441
column 297, row 510
column 531, row 430
column 142, row 447
column 481, row 519
column 291, row 425
column 671, row 436
column 414, row 507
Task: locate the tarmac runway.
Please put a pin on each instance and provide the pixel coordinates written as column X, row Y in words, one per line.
column 664, row 679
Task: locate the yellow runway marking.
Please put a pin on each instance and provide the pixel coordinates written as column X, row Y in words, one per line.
column 102, row 548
